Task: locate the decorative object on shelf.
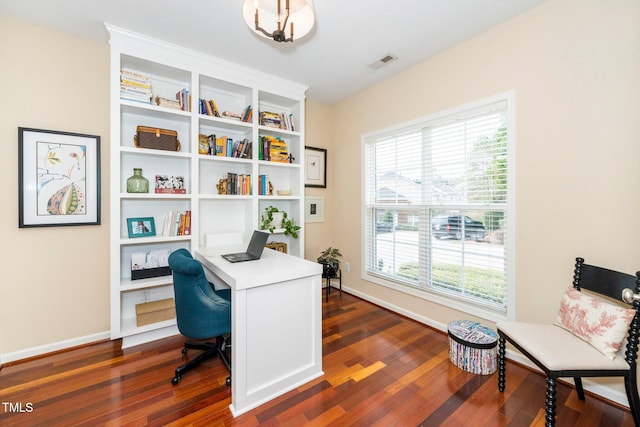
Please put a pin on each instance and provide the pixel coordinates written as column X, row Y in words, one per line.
column 313, row 209
column 145, row 265
column 58, row 178
column 170, row 184
column 137, row 183
column 273, row 218
column 330, row 260
column 284, row 192
column 315, row 171
column 155, row 311
column 203, row 144
column 277, row 246
column 141, row 227
column 259, row 14
column 156, row 138
column 221, row 186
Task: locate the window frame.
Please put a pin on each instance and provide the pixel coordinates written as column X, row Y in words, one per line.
column 462, row 305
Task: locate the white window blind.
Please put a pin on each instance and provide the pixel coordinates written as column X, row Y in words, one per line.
column 436, row 203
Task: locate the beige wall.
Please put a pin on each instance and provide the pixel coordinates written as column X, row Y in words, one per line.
column 55, row 280
column 574, row 67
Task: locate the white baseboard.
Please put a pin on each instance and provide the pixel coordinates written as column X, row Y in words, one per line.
column 603, row 391
column 50, row 348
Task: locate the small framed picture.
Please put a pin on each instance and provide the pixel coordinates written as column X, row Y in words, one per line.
column 313, row 209
column 315, row 168
column 141, row 227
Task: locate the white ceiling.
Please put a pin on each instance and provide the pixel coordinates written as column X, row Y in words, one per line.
column 332, row 60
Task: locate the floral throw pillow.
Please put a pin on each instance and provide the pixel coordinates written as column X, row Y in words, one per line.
column 601, row 324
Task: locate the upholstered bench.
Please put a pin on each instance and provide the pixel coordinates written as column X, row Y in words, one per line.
column 472, row 346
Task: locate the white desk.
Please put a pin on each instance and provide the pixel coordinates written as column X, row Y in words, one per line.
column 276, row 323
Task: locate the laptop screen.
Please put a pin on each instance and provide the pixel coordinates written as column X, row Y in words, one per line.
column 256, row 245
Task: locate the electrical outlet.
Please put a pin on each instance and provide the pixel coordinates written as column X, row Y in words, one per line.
column 347, row 267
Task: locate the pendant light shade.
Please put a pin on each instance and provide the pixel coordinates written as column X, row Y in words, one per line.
column 279, row 20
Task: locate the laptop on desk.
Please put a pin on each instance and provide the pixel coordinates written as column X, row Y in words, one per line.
column 254, row 250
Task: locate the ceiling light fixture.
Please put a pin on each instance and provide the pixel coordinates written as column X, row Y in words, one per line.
column 261, row 14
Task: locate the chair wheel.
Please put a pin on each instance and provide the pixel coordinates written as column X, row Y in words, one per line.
column 228, row 382
column 184, row 351
column 175, row 380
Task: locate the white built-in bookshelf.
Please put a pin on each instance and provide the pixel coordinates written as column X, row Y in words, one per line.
column 171, row 69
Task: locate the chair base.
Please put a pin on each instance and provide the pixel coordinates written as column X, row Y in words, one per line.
column 209, row 351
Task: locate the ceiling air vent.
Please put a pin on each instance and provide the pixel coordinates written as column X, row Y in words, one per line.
column 382, row 61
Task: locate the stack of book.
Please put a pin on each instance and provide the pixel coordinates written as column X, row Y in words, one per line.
column 135, row 87
column 170, row 185
column 277, row 120
column 230, row 115
column 273, row 149
column 168, row 103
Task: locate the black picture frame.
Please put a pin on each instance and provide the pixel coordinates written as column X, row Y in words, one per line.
column 141, row 227
column 58, row 178
column 315, row 167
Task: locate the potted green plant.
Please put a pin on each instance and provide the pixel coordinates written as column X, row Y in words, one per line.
column 273, row 218
column 330, row 260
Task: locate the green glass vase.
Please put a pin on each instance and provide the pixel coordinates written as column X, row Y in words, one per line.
column 137, row 183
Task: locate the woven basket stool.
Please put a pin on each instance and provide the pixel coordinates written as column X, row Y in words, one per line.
column 472, row 346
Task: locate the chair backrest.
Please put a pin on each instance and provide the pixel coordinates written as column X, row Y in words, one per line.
column 610, row 284
column 200, row 312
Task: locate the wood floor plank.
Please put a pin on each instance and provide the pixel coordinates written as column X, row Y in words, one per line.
column 381, row 369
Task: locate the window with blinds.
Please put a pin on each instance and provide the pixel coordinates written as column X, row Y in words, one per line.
column 437, row 204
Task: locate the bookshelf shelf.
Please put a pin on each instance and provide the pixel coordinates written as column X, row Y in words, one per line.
column 185, row 82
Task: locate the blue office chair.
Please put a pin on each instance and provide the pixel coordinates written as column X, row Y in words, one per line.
column 202, row 313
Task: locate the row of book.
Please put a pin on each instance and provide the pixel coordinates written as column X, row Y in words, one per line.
column 225, row 147
column 238, row 184
column 277, row 120
column 273, row 149
column 264, row 186
column 135, row 87
column 176, row 223
column 208, row 107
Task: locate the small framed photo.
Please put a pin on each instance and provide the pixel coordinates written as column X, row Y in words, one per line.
column 58, row 178
column 141, row 227
column 313, row 209
column 315, row 168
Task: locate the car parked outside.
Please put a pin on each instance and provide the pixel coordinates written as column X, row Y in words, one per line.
column 451, row 226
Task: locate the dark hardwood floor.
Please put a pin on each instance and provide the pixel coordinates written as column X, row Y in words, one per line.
column 381, row 369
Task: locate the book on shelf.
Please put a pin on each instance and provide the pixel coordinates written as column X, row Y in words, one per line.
column 247, row 114
column 273, row 149
column 168, row 103
column 170, row 185
column 184, row 98
column 236, row 184
column 277, row 120
column 135, row 87
column 176, row 223
column 231, row 116
column 208, row 107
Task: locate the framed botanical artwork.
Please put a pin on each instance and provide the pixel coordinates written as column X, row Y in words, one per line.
column 313, row 209
column 315, row 168
column 141, row 227
column 58, row 178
